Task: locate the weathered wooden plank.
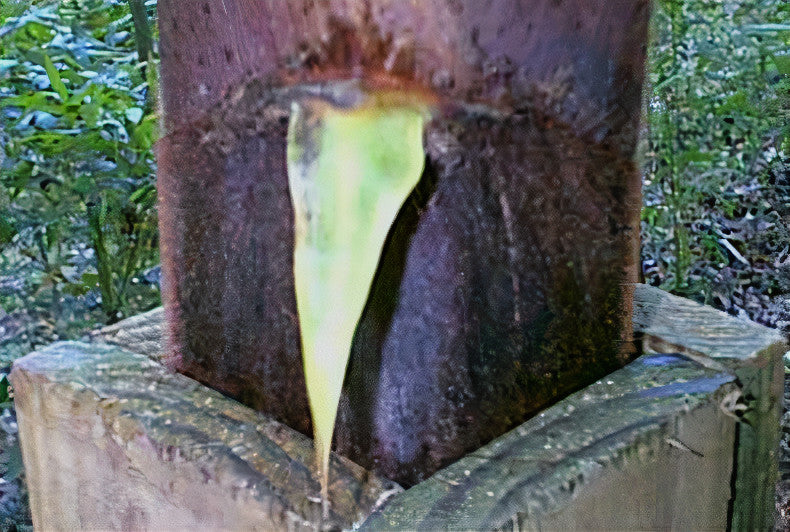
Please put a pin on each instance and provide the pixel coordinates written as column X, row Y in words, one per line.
column 672, row 323
column 753, row 353
column 113, row 441
column 648, row 447
column 143, row 334
column 669, row 323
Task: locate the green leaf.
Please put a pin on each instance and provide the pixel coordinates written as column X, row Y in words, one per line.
column 90, row 280
column 143, row 194
column 52, row 234
column 737, row 103
column 782, row 63
column 39, row 31
column 21, row 175
column 7, row 230
column 4, row 385
column 90, row 113
column 54, row 78
column 144, row 135
column 76, row 289
column 694, row 156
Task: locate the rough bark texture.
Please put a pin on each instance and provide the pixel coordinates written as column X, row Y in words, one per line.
column 504, row 281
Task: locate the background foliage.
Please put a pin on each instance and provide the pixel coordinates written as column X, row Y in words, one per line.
column 716, row 188
column 77, row 197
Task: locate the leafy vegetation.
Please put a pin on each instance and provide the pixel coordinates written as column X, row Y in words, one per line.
column 77, row 201
column 716, row 183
